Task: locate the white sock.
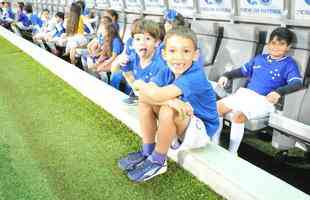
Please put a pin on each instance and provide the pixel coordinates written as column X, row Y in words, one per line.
column 216, row 137
column 236, row 135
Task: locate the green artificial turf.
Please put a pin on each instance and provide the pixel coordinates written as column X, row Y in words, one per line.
column 56, row 144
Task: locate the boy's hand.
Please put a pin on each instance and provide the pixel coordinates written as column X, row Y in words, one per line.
column 183, row 108
column 222, row 81
column 137, row 85
column 105, row 66
column 273, row 97
column 123, row 59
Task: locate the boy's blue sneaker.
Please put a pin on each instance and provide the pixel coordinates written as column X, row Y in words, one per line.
column 131, row 161
column 131, row 100
column 146, row 170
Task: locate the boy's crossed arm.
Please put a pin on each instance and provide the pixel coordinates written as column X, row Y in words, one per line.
column 167, row 95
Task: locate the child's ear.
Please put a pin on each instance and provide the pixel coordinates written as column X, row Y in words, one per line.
column 289, row 47
column 157, row 43
column 163, row 53
column 196, row 55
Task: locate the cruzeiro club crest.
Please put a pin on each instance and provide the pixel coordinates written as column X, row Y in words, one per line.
column 264, row 2
column 213, row 1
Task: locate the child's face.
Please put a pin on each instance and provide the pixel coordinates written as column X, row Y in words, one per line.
column 58, row 19
column 45, row 15
column 107, row 14
column 6, row 5
column 179, row 53
column 277, row 48
column 144, row 44
column 102, row 29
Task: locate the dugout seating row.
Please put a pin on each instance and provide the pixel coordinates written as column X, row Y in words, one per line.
column 208, row 164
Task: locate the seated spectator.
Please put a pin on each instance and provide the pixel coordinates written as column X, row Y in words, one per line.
column 103, row 49
column 143, row 61
column 172, row 19
column 270, row 76
column 118, row 80
column 114, row 16
column 42, row 31
column 7, row 15
column 28, row 23
column 176, row 109
column 56, row 37
column 76, row 31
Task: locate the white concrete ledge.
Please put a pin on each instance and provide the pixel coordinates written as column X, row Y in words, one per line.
column 229, row 176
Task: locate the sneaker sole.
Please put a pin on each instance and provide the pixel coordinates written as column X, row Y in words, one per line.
column 161, row 171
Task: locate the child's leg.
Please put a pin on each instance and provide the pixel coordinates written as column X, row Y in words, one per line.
column 222, row 109
column 148, row 122
column 237, row 131
column 170, row 124
column 72, row 55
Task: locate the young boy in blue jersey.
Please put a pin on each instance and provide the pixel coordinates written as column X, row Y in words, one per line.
column 56, row 36
column 270, row 76
column 7, row 15
column 176, row 109
column 117, row 80
column 142, row 62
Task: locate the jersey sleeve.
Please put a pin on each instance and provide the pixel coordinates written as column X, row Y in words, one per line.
column 160, row 78
column 117, row 46
column 190, row 83
column 292, row 72
column 247, row 68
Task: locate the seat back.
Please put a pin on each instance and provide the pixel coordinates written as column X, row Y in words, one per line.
column 129, row 20
column 304, row 110
column 207, row 33
column 237, row 47
column 122, row 23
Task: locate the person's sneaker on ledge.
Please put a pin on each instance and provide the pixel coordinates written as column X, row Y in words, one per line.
column 146, row 170
column 131, row 100
column 131, row 161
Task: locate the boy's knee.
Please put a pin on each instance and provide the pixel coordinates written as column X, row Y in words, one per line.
column 166, row 113
column 144, row 107
column 239, row 118
column 221, row 108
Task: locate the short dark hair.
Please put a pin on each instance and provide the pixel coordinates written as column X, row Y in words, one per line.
column 28, row 8
column 147, row 26
column 113, row 13
column 283, row 34
column 46, row 10
column 81, row 4
column 183, row 32
column 61, row 15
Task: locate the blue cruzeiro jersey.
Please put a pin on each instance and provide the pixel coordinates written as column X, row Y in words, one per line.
column 7, row 15
column 196, row 90
column 147, row 73
column 58, row 30
column 266, row 74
